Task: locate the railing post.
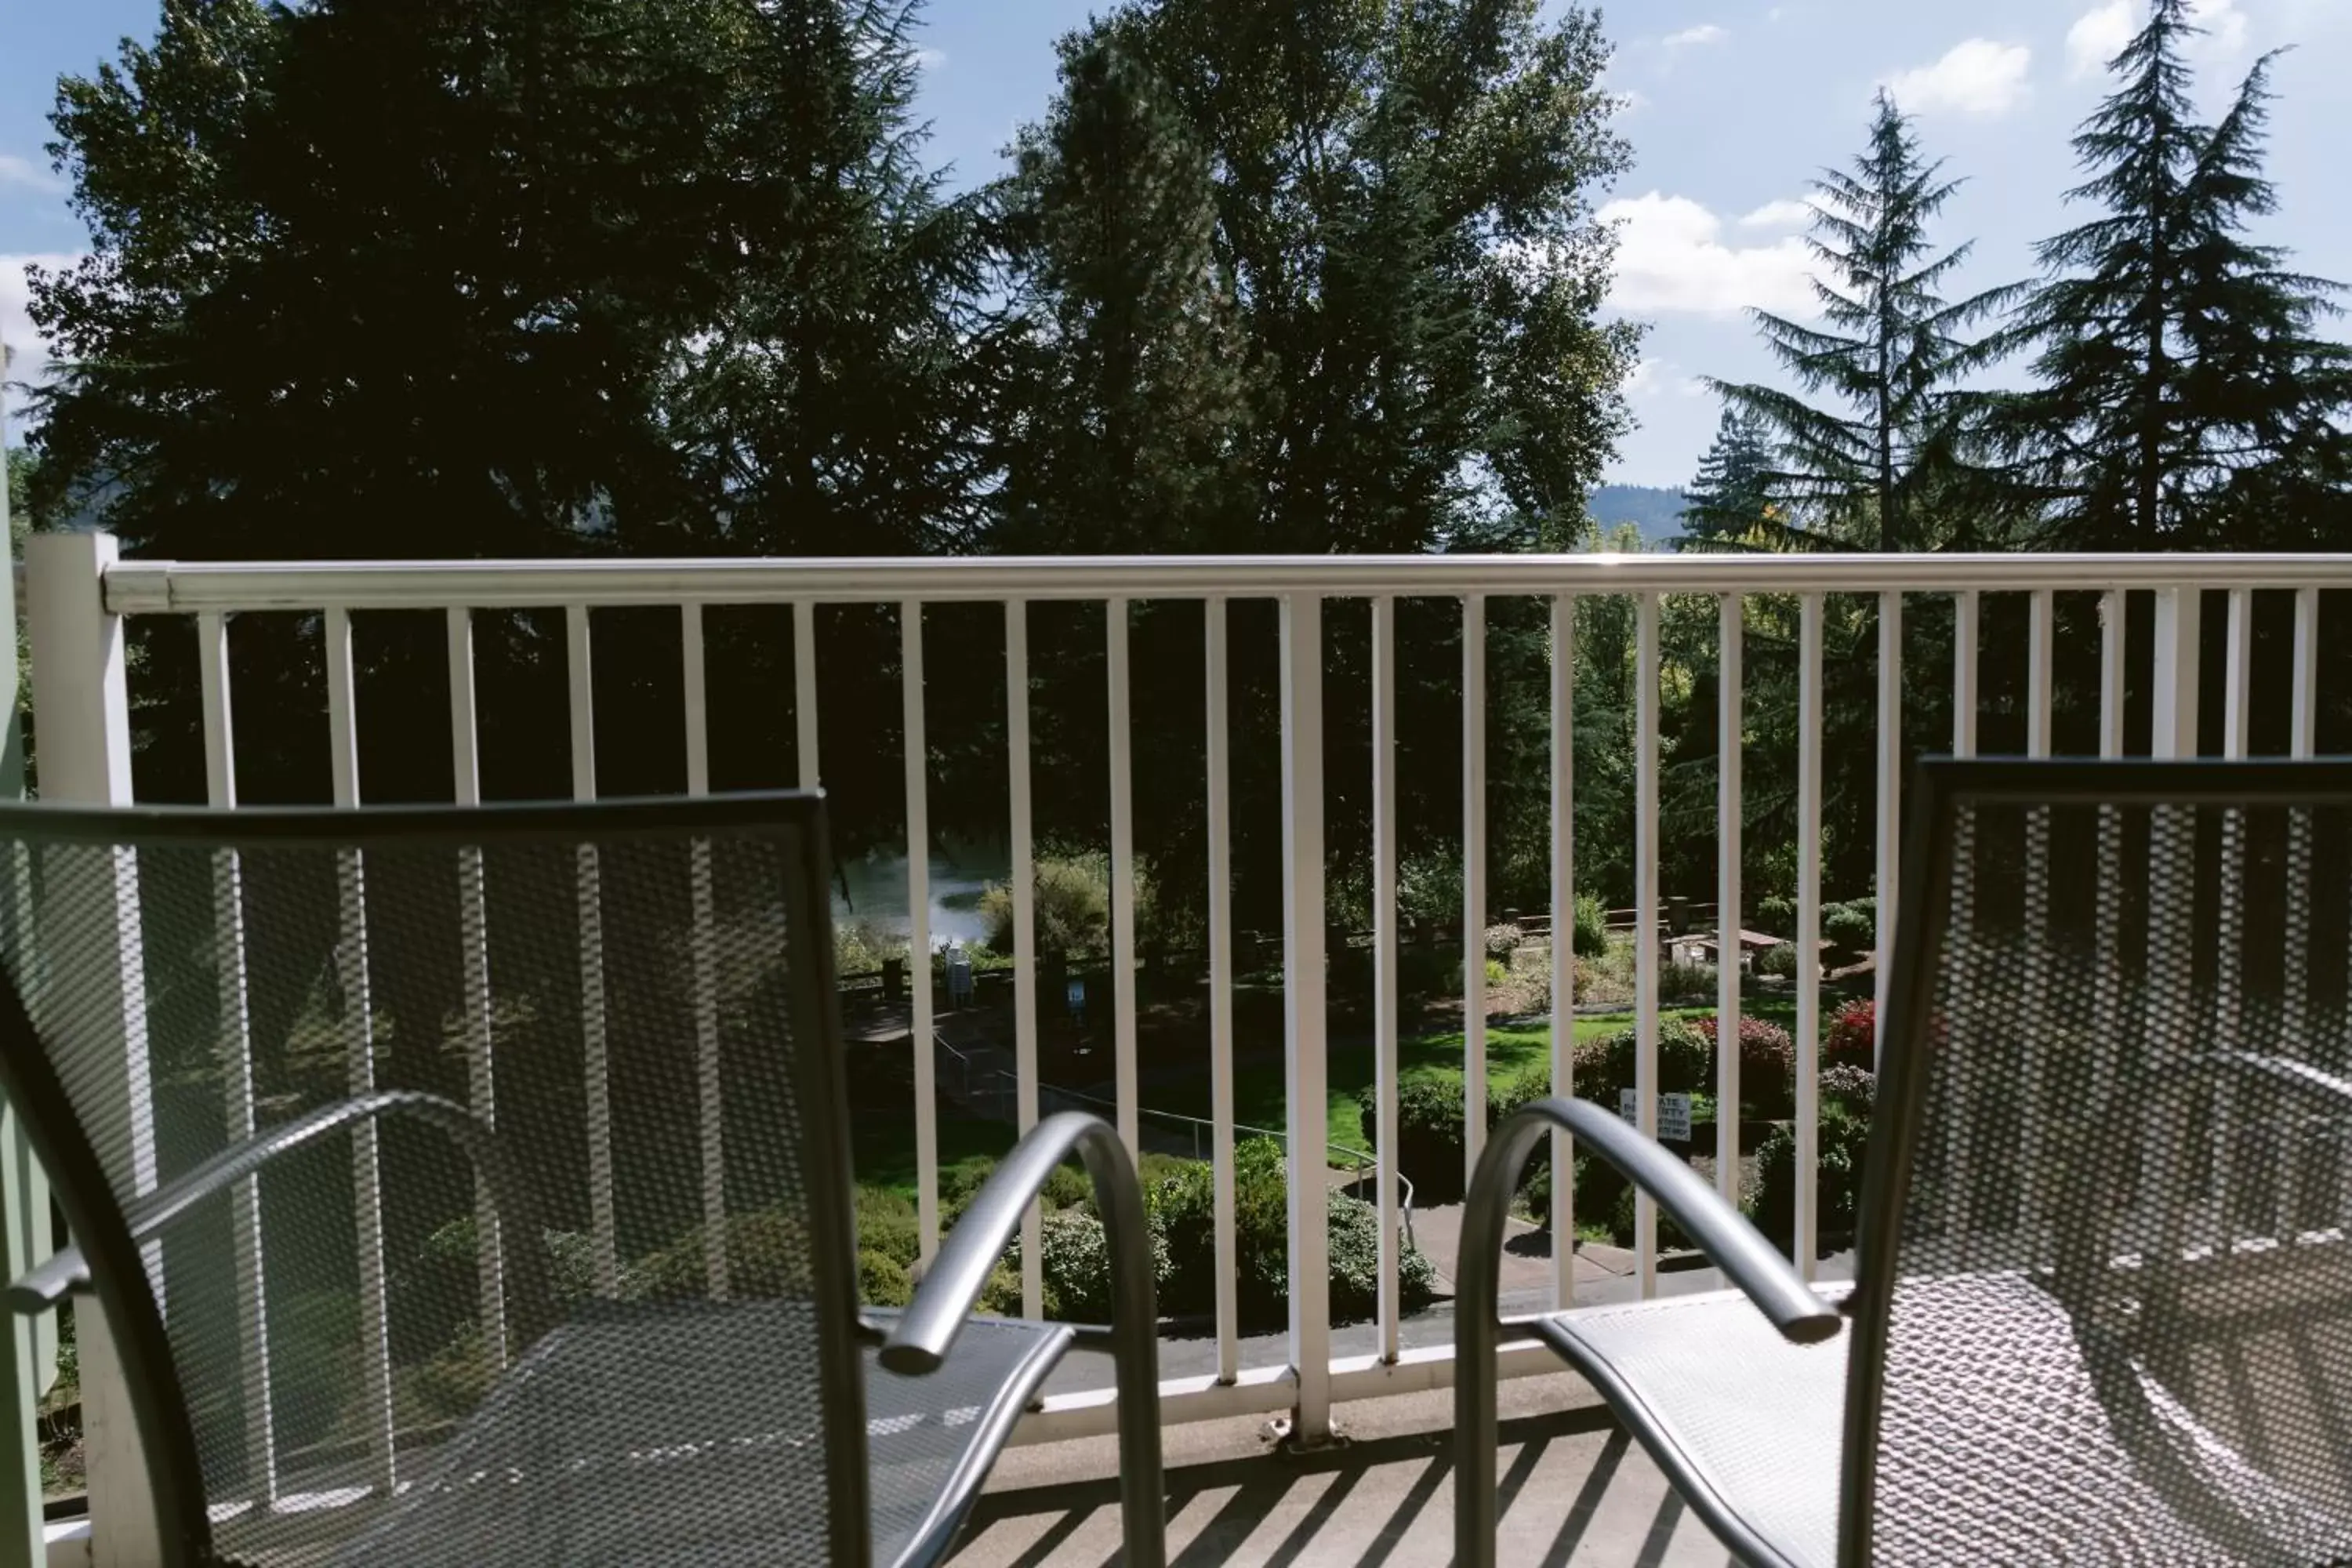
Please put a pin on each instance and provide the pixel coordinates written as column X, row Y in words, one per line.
column 1302, row 994
column 79, row 691
column 29, row 1362
column 2178, row 626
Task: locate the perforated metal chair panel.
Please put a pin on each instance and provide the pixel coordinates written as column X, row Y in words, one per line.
column 2118, row 1317
column 633, row 998
column 1746, row 1423
column 643, row 1439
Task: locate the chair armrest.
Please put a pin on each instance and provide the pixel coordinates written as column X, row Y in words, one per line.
column 67, row 1273
column 1721, row 1231
column 927, row 1329
column 951, row 1287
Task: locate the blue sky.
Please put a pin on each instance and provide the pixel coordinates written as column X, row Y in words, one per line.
column 1731, row 107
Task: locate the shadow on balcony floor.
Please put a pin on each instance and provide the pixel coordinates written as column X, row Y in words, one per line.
column 1575, row 1490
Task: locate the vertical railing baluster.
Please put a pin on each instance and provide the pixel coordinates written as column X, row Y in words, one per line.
column 1965, row 617
column 1730, row 740
column 710, row 1109
column 805, row 691
column 236, row 1058
column 1385, row 1066
column 2041, row 649
column 1809, row 931
column 1304, row 1078
column 2113, row 609
column 1122, row 873
column 2303, row 736
column 919, row 931
column 603, row 1225
column 1226, row 1221
column 1473, row 883
column 474, row 936
column 2228, row 991
column 1024, row 878
column 1563, row 941
column 1645, row 920
column 1890, row 809
column 2106, row 936
column 352, row 964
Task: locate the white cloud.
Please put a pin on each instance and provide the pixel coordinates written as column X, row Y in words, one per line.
column 1643, row 381
column 928, row 59
column 2097, row 36
column 1671, row 256
column 29, row 355
column 1708, row 33
column 1779, row 214
column 2224, row 25
column 1976, row 76
column 1631, row 101
column 25, row 175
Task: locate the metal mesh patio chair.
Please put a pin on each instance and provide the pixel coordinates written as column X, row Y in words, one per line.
column 2102, row 1303
column 474, row 1186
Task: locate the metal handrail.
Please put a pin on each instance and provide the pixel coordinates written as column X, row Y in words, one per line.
column 150, row 588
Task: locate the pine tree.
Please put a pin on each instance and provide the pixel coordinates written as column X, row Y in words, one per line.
column 1731, row 497
column 1889, row 352
column 1129, row 380
column 2185, row 401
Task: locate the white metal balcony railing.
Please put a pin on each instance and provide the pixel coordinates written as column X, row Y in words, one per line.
column 79, row 593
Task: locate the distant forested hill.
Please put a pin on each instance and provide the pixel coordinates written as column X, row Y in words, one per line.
column 1657, row 510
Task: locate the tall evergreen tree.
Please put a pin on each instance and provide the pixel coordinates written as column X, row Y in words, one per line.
column 1731, row 496
column 1129, row 383
column 1889, row 352
column 2185, row 402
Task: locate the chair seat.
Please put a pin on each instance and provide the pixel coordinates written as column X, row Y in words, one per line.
column 1747, row 1426
column 660, row 1434
column 1751, row 1430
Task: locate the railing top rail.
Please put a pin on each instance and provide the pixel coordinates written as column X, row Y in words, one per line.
column 136, row 588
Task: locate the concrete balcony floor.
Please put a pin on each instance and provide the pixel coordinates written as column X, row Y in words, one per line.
column 1575, row 1490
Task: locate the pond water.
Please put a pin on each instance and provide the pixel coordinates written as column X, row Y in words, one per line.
column 874, row 888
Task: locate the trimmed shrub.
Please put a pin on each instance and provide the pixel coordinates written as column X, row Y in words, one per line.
column 1853, row 926
column 1768, row 1060
column 1503, row 939
column 1851, row 1038
column 1855, row 1088
column 1843, row 1144
column 1429, row 1132
column 1621, row 1225
column 884, row 1281
column 1002, row 1294
column 1591, row 938
column 1353, row 1235
column 1780, row 961
column 1070, row 908
column 1686, row 983
column 1686, row 1061
column 1069, row 1187
column 1776, row 916
column 1184, row 1212
column 1076, row 1256
column 887, row 1225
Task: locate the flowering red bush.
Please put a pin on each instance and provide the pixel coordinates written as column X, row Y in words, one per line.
column 1767, row 1057
column 1853, row 1039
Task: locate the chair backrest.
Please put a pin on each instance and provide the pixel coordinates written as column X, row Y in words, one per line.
column 2103, row 1305
column 639, row 996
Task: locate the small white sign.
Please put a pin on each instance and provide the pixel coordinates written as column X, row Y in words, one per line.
column 1674, row 1115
